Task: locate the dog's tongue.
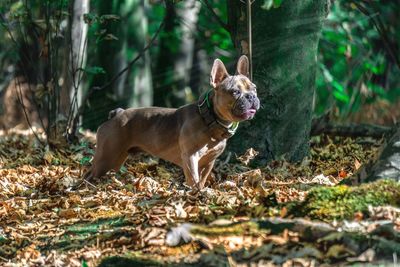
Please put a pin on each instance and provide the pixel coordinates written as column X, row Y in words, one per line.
column 249, row 114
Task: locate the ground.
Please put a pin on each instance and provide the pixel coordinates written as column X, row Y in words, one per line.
column 279, row 214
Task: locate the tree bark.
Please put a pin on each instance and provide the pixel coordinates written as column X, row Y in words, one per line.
column 199, row 74
column 163, row 73
column 176, row 54
column 102, row 101
column 285, row 41
column 137, row 90
column 74, row 58
column 188, row 14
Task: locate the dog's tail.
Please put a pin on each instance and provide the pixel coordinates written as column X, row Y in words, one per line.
column 114, row 112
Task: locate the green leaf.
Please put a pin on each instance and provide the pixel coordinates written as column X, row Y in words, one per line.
column 110, row 37
column 277, row 3
column 123, row 169
column 341, row 96
column 90, row 18
column 267, row 4
column 94, row 70
column 376, row 88
column 85, row 161
column 337, row 86
column 112, row 17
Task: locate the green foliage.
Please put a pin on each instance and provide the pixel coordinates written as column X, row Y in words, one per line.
column 342, row 202
column 355, row 66
column 100, row 26
column 214, row 39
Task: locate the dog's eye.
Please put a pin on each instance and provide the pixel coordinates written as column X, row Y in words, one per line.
column 235, row 92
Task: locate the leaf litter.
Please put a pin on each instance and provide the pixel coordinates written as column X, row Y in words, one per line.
column 145, row 213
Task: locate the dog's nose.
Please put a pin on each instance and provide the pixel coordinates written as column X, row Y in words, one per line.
column 250, row 97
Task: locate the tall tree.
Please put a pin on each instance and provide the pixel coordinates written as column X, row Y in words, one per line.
column 74, row 56
column 285, row 41
column 137, row 88
column 177, row 47
column 123, row 30
column 108, row 46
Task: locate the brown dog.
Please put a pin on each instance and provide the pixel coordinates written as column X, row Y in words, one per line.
column 192, row 136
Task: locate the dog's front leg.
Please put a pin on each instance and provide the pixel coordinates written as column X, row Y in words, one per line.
column 191, row 169
column 205, row 171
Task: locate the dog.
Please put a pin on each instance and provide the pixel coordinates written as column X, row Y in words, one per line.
column 192, row 136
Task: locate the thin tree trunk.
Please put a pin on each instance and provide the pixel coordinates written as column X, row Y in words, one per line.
column 285, row 42
column 188, row 15
column 199, row 73
column 163, row 75
column 176, row 54
column 75, row 58
column 101, row 102
column 137, row 90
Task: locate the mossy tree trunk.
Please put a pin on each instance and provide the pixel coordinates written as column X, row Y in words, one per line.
column 285, row 41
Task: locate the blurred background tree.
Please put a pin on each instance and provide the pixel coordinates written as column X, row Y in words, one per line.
column 357, row 66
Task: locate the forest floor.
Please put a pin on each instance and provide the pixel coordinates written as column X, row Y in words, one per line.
column 280, row 214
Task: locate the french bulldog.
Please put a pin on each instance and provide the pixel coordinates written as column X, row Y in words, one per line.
column 192, row 136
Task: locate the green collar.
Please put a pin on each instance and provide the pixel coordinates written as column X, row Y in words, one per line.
column 211, row 119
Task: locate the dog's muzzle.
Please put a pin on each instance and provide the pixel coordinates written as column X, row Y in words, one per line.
column 246, row 106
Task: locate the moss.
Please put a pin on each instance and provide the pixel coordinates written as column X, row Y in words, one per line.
column 342, row 202
column 226, row 230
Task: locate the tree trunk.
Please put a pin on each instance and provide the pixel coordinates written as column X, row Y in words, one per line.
column 199, row 74
column 137, row 89
column 285, row 41
column 188, row 14
column 102, row 101
column 74, row 58
column 163, row 75
column 176, row 54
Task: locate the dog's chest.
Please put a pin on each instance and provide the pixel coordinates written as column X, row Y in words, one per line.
column 212, row 149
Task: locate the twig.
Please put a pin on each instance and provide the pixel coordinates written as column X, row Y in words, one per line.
column 89, row 183
column 21, row 102
column 215, row 16
column 378, row 24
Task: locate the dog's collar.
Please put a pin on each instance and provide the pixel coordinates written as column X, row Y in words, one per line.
column 211, row 119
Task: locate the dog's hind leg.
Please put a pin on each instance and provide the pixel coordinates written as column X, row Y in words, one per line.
column 106, row 162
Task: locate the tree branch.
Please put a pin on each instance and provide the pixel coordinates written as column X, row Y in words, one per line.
column 215, row 16
column 380, row 27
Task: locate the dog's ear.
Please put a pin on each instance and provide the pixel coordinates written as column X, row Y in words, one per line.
column 243, row 66
column 218, row 73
